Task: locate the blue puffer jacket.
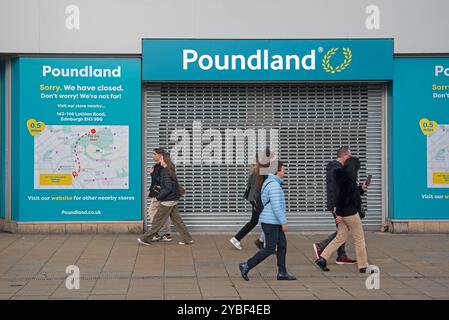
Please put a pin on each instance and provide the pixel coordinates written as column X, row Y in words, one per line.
column 274, row 200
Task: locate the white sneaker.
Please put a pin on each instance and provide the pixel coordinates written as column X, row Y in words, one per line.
column 143, row 242
column 188, row 242
column 156, row 238
column 166, row 237
column 236, row 243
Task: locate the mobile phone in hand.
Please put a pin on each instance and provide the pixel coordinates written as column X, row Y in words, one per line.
column 368, row 180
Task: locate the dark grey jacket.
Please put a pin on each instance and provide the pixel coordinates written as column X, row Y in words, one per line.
column 155, row 181
column 331, row 184
column 252, row 193
column 169, row 187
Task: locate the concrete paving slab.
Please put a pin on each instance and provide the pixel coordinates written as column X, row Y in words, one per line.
column 413, row 266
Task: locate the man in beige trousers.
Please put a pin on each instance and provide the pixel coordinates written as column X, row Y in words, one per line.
column 348, row 217
column 154, row 192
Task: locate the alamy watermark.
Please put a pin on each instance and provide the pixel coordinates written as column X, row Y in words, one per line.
column 373, row 280
column 225, row 147
column 73, row 280
column 372, row 21
column 72, row 21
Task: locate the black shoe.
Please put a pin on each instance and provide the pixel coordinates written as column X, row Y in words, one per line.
column 286, row 276
column 244, row 269
column 259, row 244
column 369, row 269
column 321, row 262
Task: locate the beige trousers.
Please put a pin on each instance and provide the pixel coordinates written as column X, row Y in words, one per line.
column 163, row 213
column 152, row 210
column 353, row 224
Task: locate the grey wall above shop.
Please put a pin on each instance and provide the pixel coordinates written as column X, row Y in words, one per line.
column 117, row 26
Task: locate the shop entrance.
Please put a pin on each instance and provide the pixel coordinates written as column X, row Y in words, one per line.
column 312, row 120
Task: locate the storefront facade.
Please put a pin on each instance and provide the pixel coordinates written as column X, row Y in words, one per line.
column 79, row 127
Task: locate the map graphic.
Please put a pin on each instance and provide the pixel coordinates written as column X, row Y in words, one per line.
column 438, row 158
column 81, row 157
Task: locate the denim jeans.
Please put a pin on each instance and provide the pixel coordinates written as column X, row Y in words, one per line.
column 274, row 237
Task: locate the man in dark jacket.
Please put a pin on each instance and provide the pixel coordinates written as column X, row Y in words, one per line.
column 331, row 190
column 348, row 210
column 155, row 172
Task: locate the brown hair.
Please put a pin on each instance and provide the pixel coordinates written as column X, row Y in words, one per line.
column 170, row 166
column 280, row 165
column 264, row 154
column 159, row 150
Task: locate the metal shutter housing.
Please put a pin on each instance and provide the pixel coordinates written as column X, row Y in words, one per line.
column 313, row 119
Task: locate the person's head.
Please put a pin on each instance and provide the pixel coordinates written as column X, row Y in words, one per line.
column 157, row 154
column 265, row 164
column 343, row 154
column 352, row 165
column 167, row 163
column 265, row 157
column 280, row 172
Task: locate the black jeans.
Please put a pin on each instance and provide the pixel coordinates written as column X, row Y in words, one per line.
column 251, row 224
column 274, row 237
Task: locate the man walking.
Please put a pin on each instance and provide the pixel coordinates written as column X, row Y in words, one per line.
column 331, row 190
column 274, row 226
column 155, row 189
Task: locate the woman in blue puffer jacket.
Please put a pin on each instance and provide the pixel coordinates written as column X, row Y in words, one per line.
column 274, row 225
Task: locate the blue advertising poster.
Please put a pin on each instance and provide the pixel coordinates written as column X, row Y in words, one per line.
column 266, row 60
column 421, row 138
column 2, row 139
column 76, row 139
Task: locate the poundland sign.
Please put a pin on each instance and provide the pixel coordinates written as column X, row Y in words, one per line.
column 266, row 60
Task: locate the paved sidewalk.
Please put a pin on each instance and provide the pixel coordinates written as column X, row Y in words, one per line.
column 116, row 267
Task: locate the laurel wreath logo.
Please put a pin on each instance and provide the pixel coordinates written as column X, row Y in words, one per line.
column 328, row 56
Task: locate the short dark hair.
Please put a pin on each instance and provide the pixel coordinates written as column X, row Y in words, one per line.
column 352, row 165
column 342, row 151
column 159, row 150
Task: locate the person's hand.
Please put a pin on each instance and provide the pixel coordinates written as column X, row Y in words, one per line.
column 364, row 185
column 338, row 219
column 151, row 169
column 285, row 227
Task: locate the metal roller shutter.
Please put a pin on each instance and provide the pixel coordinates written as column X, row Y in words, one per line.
column 313, row 120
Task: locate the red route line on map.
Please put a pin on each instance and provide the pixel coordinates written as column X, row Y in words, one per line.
column 76, row 154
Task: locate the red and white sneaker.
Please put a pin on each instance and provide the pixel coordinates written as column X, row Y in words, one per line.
column 345, row 260
column 318, row 250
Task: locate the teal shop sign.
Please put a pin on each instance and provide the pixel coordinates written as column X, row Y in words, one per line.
column 267, row 60
column 421, row 138
column 76, row 139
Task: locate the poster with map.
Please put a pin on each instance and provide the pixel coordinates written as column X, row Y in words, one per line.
column 77, row 139
column 82, row 157
column 438, row 157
